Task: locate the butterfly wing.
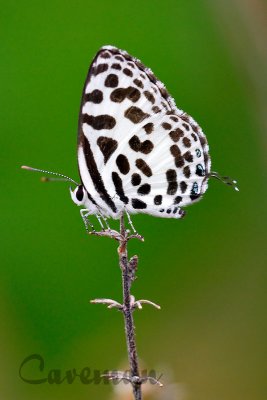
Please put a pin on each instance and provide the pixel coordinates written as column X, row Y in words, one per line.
column 136, row 149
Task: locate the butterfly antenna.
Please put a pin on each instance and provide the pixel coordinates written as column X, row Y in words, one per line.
column 63, row 178
column 225, row 179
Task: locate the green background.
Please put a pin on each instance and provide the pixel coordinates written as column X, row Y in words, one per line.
column 207, row 271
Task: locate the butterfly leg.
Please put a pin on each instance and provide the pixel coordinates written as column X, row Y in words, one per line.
column 84, row 214
column 106, row 222
column 130, row 221
column 100, row 221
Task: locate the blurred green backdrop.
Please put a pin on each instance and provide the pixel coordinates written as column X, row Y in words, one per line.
column 207, row 271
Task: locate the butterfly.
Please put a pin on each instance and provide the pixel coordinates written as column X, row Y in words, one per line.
column 137, row 152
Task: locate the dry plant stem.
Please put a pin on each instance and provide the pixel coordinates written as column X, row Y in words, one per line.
column 127, row 276
column 128, row 270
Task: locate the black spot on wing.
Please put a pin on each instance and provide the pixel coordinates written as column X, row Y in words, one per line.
column 194, row 136
column 176, row 134
column 123, row 164
column 99, row 122
column 96, row 96
column 144, row 167
column 178, row 158
column 112, row 81
column 136, row 179
column 177, row 200
column 116, row 66
column 156, row 109
column 106, row 54
column 198, row 153
column 119, row 58
column 149, row 96
column 138, row 83
column 188, row 156
column 171, row 176
column 194, row 192
column 146, row 147
column 183, row 186
column 166, row 126
column 131, row 64
column 186, row 142
column 144, row 189
column 187, row 171
column 138, row 204
column 148, row 127
column 127, row 72
column 100, row 69
column 135, row 114
column 158, row 200
column 120, row 94
column 194, row 196
column 200, row 171
column 119, row 188
column 107, row 146
column 186, row 126
column 136, row 145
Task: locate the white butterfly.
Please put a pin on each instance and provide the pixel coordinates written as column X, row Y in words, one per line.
column 137, row 152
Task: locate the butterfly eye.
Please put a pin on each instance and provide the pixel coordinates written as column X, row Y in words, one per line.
column 79, row 193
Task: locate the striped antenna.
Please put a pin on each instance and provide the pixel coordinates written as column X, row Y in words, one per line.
column 63, row 178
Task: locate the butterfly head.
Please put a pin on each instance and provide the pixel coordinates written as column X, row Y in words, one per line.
column 79, row 195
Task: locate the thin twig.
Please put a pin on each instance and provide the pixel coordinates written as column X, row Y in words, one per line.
column 128, row 312
column 128, row 270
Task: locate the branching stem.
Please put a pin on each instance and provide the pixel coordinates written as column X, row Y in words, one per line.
column 127, row 278
column 128, row 271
